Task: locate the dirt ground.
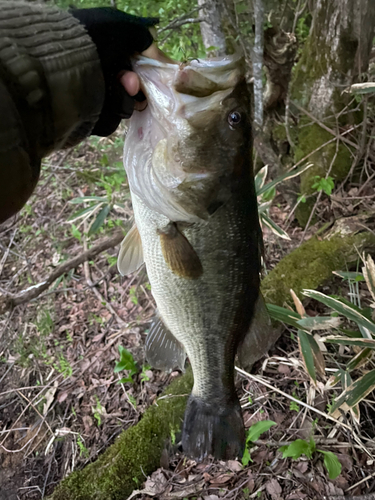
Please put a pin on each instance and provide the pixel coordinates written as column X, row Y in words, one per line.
column 61, row 403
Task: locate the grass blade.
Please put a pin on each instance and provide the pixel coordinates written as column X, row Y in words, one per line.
column 345, row 309
column 364, row 343
column 98, row 222
column 267, row 221
column 284, row 177
column 357, row 391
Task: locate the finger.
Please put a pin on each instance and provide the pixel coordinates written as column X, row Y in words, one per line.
column 130, row 81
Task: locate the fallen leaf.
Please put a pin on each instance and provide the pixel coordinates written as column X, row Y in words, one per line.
column 234, row 465
column 273, row 488
column 157, row 483
column 49, row 395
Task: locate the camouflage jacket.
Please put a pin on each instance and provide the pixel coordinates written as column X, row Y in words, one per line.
column 51, row 93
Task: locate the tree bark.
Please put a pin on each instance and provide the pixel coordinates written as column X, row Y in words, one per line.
column 336, row 52
column 211, row 29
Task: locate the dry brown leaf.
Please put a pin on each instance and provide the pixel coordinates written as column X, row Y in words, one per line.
column 274, row 489
column 234, row 465
column 299, row 307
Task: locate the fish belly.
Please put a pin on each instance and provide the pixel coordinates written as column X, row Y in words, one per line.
column 209, row 315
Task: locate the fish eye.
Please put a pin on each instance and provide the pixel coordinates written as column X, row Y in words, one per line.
column 234, row 118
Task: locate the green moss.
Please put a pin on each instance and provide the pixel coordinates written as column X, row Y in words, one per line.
column 136, row 452
column 311, row 265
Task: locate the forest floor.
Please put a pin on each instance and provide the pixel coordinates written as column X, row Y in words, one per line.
column 61, row 403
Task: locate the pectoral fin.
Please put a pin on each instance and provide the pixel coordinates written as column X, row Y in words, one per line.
column 178, row 253
column 163, row 350
column 260, row 338
column 130, row 257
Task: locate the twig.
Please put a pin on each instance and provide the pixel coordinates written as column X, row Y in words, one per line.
column 370, row 496
column 178, row 24
column 90, row 283
column 5, row 256
column 321, row 124
column 11, row 301
column 361, row 481
column 320, row 192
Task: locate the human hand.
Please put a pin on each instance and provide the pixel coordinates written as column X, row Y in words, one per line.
column 118, row 37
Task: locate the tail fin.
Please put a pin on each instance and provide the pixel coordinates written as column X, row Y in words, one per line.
column 213, row 430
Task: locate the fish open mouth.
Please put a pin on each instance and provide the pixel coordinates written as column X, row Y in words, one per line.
column 173, row 171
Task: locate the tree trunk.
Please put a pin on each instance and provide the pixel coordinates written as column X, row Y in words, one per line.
column 336, row 52
column 211, row 29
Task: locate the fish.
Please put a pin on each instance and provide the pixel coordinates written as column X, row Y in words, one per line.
column 188, row 159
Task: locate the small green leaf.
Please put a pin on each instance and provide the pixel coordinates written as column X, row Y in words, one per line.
column 126, row 361
column 257, row 429
column 98, row 222
column 331, row 463
column 246, row 457
column 298, row 448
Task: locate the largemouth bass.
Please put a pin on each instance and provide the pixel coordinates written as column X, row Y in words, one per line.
column 188, row 158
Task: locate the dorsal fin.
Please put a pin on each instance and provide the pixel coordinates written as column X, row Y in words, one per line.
column 163, row 350
column 130, row 257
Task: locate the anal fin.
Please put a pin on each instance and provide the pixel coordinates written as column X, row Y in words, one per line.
column 130, row 257
column 261, row 336
column 163, row 350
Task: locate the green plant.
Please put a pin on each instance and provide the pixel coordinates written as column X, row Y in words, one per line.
column 267, row 192
column 252, row 435
column 362, row 336
column 63, row 366
column 83, row 451
column 301, row 447
column 144, row 376
column 325, row 184
column 98, row 411
column 127, row 363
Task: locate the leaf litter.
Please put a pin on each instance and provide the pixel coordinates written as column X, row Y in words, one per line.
column 61, row 403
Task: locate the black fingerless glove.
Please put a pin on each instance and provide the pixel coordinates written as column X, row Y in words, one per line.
column 117, row 36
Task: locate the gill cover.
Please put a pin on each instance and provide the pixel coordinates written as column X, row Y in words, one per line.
column 167, row 179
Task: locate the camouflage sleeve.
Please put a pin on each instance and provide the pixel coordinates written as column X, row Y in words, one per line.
column 51, row 93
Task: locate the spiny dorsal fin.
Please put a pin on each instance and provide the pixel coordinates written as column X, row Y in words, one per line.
column 130, row 257
column 178, row 253
column 260, row 338
column 163, row 350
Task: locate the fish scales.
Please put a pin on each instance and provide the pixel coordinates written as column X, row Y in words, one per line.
column 196, row 212
column 202, row 313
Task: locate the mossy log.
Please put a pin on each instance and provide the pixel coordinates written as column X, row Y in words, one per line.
column 137, row 451
column 311, row 265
